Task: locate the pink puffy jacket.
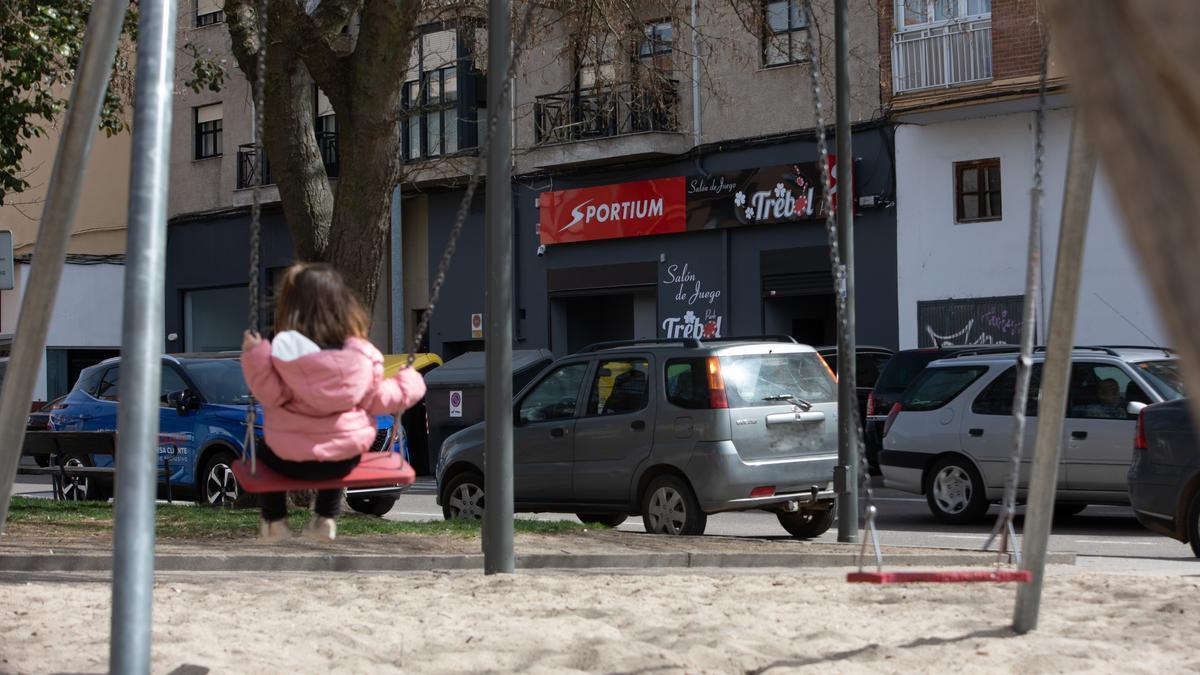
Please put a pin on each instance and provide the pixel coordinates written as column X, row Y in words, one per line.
column 321, row 406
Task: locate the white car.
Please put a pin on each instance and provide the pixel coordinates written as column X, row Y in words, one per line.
column 950, row 436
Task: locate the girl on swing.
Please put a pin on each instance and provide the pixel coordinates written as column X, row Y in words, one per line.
column 321, row 384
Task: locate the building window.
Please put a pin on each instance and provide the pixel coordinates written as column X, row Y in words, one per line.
column 209, row 12
column 782, row 40
column 977, row 191
column 208, row 131
column 918, row 14
column 596, row 62
column 327, row 139
column 431, row 96
column 657, row 37
column 214, row 318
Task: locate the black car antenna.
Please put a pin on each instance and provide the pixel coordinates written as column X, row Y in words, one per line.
column 1152, row 341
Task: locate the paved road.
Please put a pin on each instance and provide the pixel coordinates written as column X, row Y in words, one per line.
column 1104, row 537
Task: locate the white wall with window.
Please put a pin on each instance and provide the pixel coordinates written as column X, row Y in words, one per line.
column 209, row 129
column 941, row 258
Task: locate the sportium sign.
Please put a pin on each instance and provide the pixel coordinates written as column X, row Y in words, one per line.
column 613, row 211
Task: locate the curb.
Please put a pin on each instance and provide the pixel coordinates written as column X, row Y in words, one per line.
column 418, row 563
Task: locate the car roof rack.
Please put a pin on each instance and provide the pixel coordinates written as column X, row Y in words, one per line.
column 755, row 338
column 690, row 343
column 1005, row 349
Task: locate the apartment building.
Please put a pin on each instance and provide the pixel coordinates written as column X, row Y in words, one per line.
column 85, row 321
column 666, row 183
column 961, row 84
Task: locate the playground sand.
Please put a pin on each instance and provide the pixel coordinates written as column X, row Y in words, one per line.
column 719, row 621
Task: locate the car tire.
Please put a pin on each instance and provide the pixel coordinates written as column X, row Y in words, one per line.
column 1068, row 510
column 669, row 506
column 806, row 523
column 464, row 497
column 955, row 492
column 82, row 488
column 1193, row 524
column 372, row 506
column 217, row 486
column 605, row 519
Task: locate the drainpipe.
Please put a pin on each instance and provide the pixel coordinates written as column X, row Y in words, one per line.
column 396, row 337
column 695, row 78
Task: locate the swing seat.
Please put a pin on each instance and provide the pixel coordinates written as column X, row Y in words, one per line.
column 948, row 577
column 375, row 469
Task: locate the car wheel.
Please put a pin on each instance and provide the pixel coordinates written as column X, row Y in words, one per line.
column 81, row 488
column 218, row 485
column 1193, row 527
column 955, row 492
column 1068, row 510
column 806, row 523
column 372, row 506
column 464, row 497
column 605, row 519
column 669, row 507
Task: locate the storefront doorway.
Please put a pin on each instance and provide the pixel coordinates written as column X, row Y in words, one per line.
column 798, row 297
column 595, row 304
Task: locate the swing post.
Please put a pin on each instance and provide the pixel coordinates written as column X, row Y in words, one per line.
column 1056, row 375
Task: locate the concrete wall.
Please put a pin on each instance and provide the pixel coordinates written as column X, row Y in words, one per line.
column 939, row 259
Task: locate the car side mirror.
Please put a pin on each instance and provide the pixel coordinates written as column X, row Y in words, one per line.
column 183, row 401
column 1134, row 408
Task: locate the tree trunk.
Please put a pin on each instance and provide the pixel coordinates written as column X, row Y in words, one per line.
column 1140, row 99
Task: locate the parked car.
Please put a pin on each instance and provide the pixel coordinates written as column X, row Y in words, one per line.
column 673, row 430
column 39, row 420
column 202, row 428
column 950, row 436
column 869, row 362
column 1164, row 478
column 900, row 370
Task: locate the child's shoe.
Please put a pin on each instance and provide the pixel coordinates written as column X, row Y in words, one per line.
column 321, row 528
column 273, row 530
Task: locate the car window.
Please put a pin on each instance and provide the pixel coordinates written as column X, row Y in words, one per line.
column 1101, row 391
column 219, row 380
column 555, row 396
column 89, row 379
column 1165, row 377
column 936, row 387
column 107, row 391
column 171, row 381
column 867, row 368
column 754, row 379
column 619, row 387
column 997, row 397
column 687, row 383
column 902, row 368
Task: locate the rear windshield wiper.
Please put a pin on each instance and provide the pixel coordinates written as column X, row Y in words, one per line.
column 794, row 400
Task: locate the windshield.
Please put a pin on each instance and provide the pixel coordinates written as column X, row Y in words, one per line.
column 756, row 379
column 219, row 380
column 1164, row 376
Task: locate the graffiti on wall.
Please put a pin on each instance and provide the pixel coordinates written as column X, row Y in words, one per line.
column 971, row 321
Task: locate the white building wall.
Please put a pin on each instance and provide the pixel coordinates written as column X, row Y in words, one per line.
column 940, row 259
column 86, row 312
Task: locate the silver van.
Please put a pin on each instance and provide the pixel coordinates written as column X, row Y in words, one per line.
column 673, row 430
column 950, row 436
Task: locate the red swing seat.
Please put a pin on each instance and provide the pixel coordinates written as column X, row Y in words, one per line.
column 375, row 469
column 954, row 577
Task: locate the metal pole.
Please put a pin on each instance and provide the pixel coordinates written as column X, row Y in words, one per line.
column 497, row 241
column 1039, row 511
column 848, row 448
column 141, row 341
column 62, row 199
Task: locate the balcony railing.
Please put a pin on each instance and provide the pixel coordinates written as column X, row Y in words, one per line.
column 606, row 111
column 942, row 56
column 249, row 165
column 248, row 161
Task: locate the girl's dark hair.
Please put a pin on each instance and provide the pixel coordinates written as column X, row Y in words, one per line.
column 315, row 301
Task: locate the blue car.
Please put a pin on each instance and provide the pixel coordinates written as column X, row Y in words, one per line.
column 202, row 428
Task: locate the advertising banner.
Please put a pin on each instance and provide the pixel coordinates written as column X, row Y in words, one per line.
column 611, row 211
column 774, row 194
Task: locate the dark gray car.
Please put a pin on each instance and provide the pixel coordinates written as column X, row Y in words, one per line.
column 1164, row 478
column 671, row 430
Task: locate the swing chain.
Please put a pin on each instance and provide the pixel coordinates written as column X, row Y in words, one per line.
column 464, row 206
column 1004, row 528
column 835, row 260
column 260, row 79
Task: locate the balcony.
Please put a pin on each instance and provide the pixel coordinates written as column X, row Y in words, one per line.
column 942, row 56
column 248, row 161
column 605, row 112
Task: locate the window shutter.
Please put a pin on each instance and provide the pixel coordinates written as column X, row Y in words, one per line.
column 208, row 6
column 208, row 113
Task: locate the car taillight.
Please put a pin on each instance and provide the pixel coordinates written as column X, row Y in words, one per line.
column 870, row 404
column 716, row 384
column 896, row 408
column 1139, row 438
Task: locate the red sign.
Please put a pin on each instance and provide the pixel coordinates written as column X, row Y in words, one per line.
column 610, row 211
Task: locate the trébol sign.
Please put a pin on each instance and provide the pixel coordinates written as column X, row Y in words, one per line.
column 767, row 195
